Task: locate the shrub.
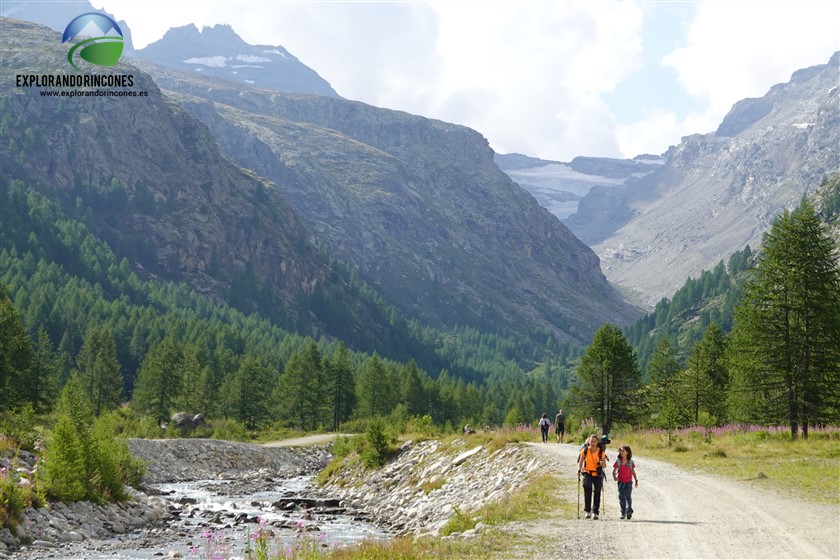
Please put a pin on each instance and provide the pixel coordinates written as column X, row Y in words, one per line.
column 377, row 444
column 458, row 523
column 422, row 425
column 83, row 458
column 12, row 500
column 229, row 429
column 19, row 425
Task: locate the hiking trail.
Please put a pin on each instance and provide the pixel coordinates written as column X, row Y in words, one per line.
column 679, row 513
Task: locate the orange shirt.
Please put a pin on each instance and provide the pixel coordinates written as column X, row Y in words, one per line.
column 591, row 461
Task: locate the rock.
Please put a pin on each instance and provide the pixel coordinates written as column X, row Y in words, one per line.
column 473, row 477
column 183, row 421
column 466, row 455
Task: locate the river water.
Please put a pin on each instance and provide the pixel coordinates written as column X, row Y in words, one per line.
column 214, row 518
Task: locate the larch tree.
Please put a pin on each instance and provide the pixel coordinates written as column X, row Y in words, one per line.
column 41, row 383
column 340, row 386
column 99, row 370
column 15, row 352
column 706, row 376
column 159, row 382
column 608, row 379
column 785, row 349
column 666, row 396
column 298, row 391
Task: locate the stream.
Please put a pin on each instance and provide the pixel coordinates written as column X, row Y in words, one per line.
column 212, row 519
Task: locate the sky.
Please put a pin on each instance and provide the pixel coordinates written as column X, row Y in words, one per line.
column 553, row 80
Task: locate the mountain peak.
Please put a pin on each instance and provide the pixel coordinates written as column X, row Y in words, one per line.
column 220, row 52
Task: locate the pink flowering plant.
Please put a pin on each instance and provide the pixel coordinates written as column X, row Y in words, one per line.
column 264, row 544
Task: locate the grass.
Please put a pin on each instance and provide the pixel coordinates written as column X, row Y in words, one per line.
column 538, row 498
column 768, row 457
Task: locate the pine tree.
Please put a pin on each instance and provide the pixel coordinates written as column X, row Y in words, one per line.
column 15, row 352
column 662, row 373
column 608, row 379
column 299, row 390
column 68, row 460
column 99, row 370
column 254, row 382
column 41, row 383
column 340, row 386
column 411, row 390
column 369, row 389
column 159, row 382
column 706, row 377
column 785, row 349
column 197, row 382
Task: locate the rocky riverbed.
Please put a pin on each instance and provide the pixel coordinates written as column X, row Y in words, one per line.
column 417, row 492
column 420, row 490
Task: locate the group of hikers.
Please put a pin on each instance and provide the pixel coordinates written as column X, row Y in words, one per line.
column 592, row 465
column 559, row 426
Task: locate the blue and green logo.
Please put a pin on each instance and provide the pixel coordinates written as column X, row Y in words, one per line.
column 104, row 44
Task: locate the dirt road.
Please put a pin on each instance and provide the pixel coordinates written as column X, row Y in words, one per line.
column 682, row 514
column 317, row 439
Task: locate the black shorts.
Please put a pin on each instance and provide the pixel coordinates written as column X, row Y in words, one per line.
column 560, row 429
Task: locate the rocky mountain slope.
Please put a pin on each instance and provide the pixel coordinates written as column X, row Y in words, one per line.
column 416, row 205
column 218, row 51
column 162, row 194
column 719, row 191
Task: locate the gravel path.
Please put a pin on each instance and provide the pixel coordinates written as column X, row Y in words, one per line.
column 683, row 514
column 317, row 439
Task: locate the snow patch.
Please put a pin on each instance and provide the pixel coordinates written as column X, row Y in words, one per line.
column 802, row 125
column 275, row 51
column 252, row 58
column 214, row 61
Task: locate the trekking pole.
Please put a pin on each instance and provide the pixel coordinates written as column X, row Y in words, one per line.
column 604, row 485
column 604, row 492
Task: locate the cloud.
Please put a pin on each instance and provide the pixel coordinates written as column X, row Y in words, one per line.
column 530, row 76
column 539, row 78
column 736, row 50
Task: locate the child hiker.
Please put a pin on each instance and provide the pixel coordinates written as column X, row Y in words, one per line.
column 624, row 471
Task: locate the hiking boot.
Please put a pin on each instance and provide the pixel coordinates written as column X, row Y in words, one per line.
column 588, row 515
column 595, row 516
column 629, row 515
column 622, row 516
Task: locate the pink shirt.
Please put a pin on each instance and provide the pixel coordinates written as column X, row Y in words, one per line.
column 625, row 473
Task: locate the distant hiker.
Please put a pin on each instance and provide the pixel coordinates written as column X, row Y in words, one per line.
column 591, row 464
column 560, row 426
column 624, row 472
column 545, row 423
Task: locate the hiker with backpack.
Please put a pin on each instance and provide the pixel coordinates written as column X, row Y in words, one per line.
column 545, row 423
column 591, row 464
column 560, row 426
column 624, row 472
